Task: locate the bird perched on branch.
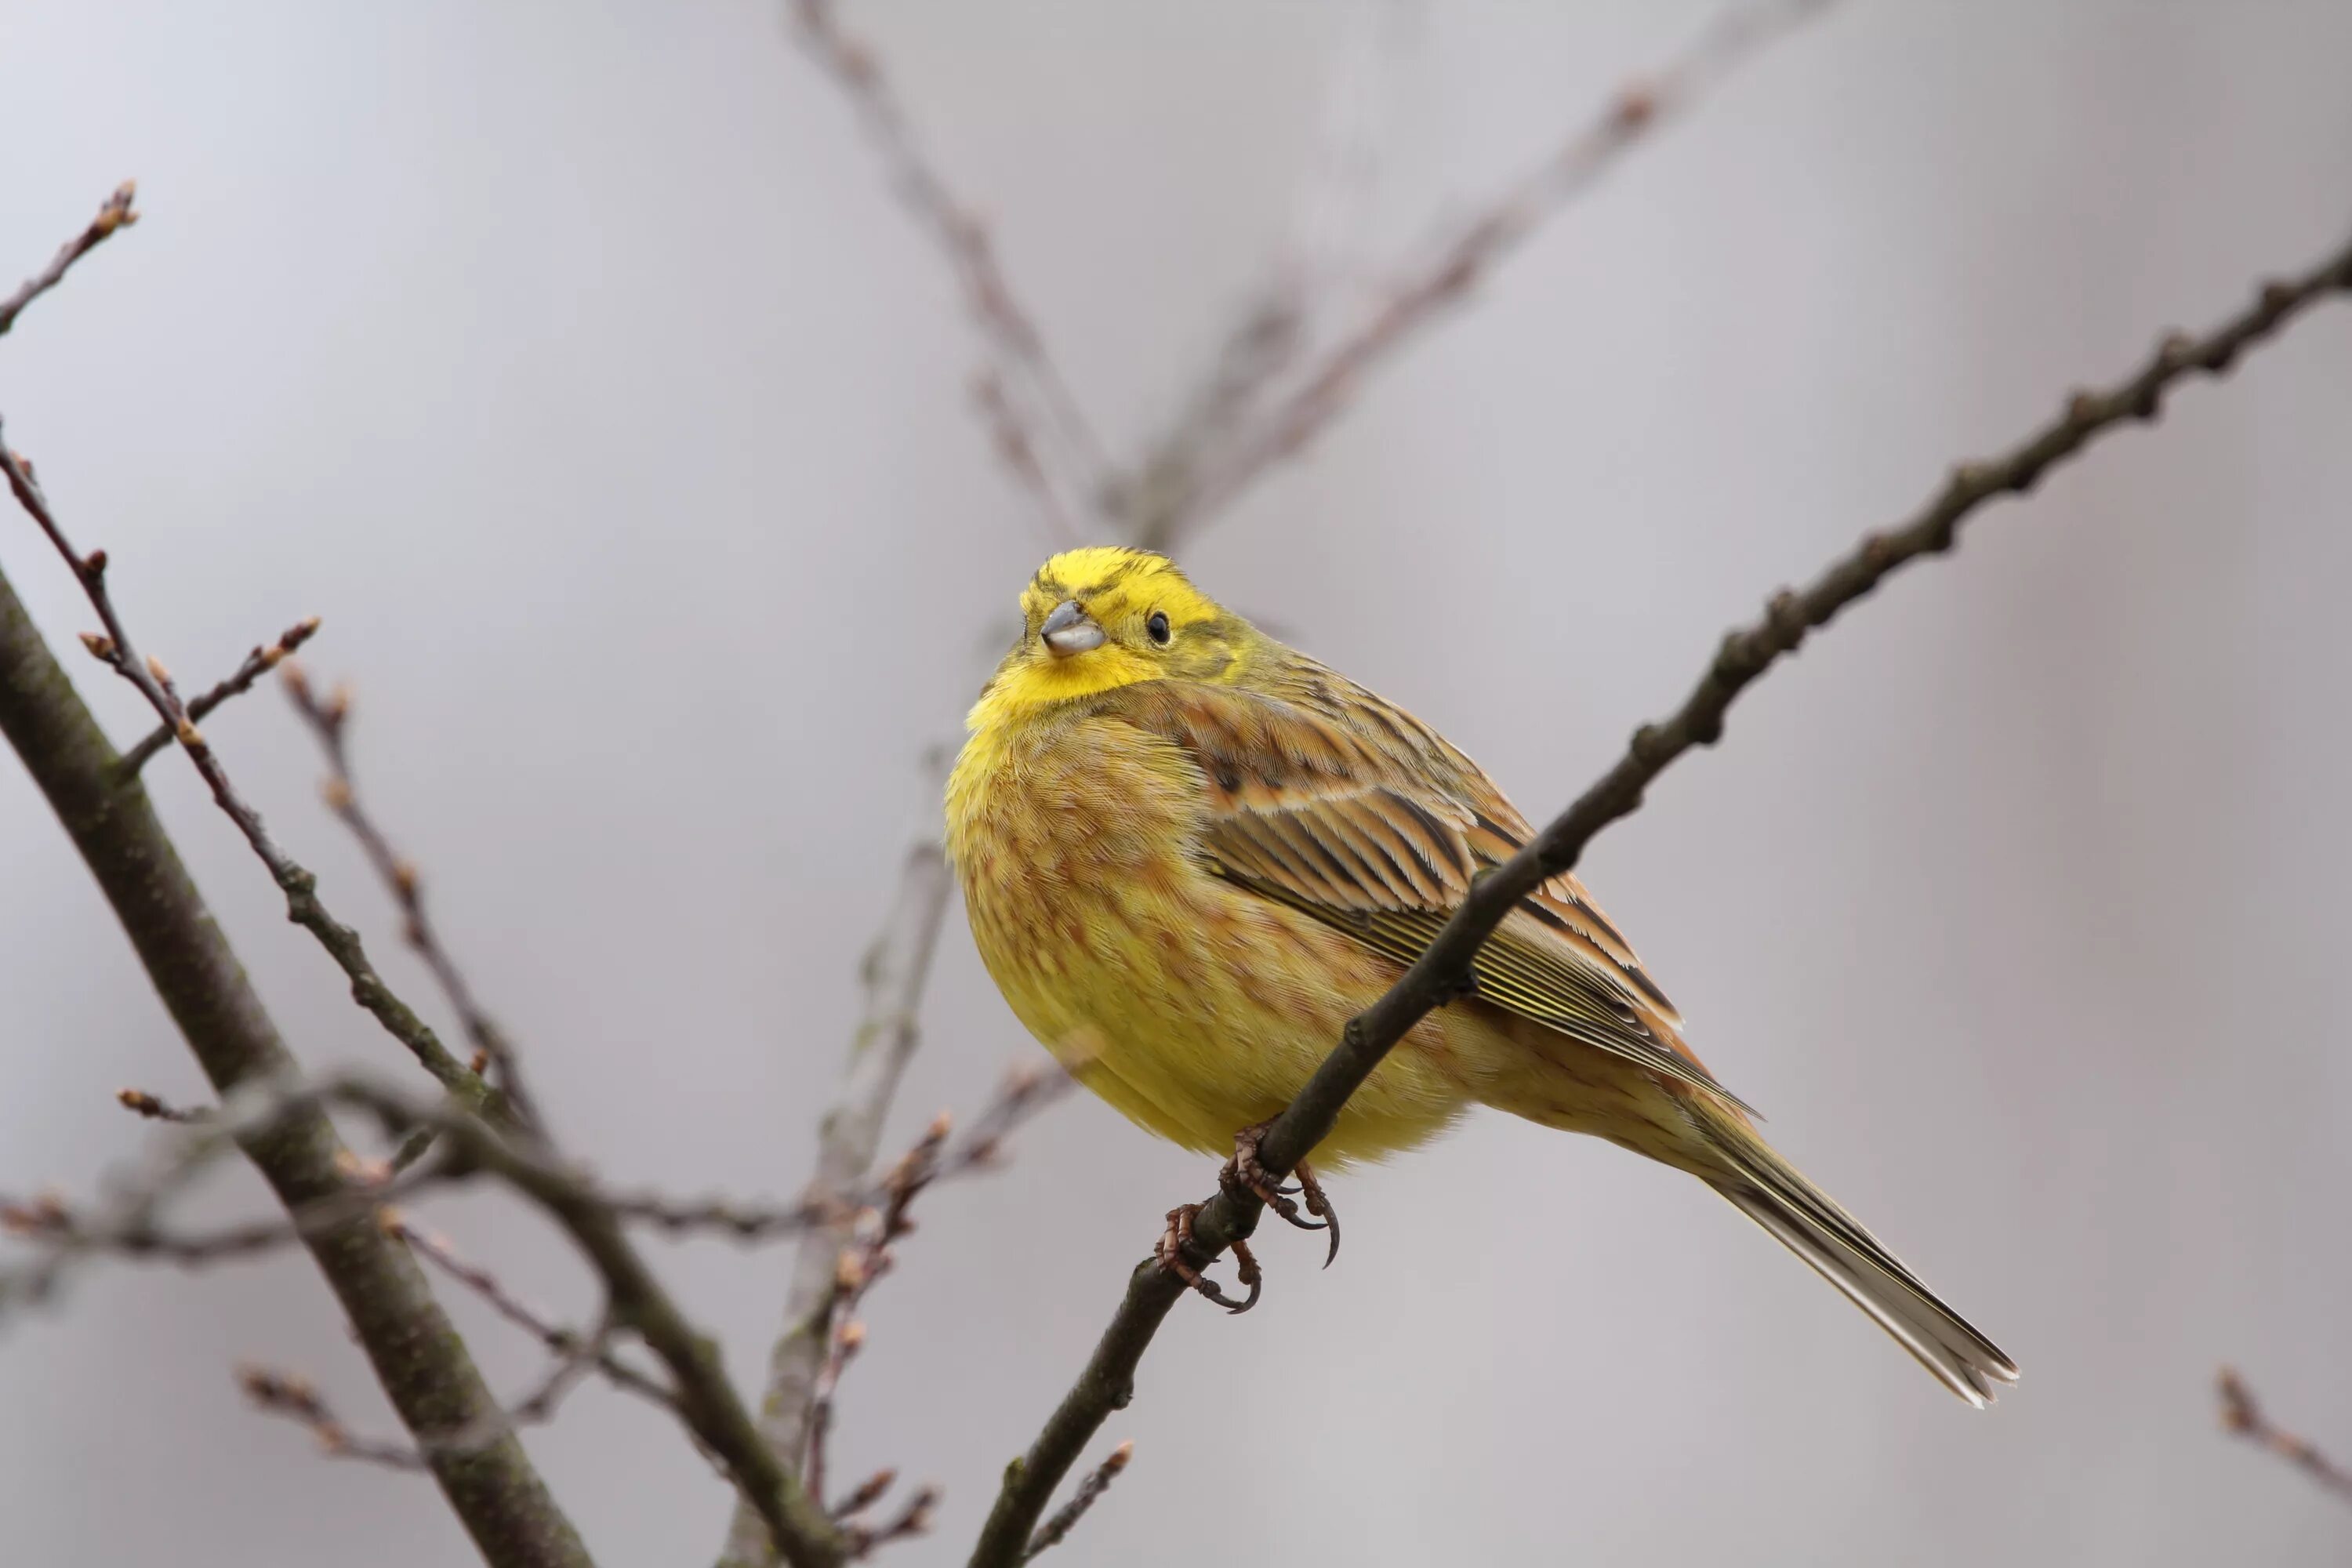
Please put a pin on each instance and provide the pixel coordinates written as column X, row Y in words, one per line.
column 1191, row 855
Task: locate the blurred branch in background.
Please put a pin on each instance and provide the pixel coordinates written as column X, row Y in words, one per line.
column 1036, row 421
column 128, row 1223
column 1442, row 971
column 1314, row 271
column 2242, row 1414
column 1240, row 425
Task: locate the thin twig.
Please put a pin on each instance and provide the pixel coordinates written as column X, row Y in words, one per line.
column 706, row 1402
column 1454, row 263
column 1278, row 323
column 2242, row 1414
column 131, row 1225
column 329, row 719
column 593, row 1350
column 115, row 213
column 859, row 1265
column 896, row 967
column 913, row 1520
column 141, row 1103
column 295, row 1397
column 300, row 886
column 257, row 663
column 867, row 1494
column 1442, row 971
column 637, row 1302
column 1049, row 1534
column 1037, row 422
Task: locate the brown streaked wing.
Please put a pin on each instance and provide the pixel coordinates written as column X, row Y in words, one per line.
column 1376, row 829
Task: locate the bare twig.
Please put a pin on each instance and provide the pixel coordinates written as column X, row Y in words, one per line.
column 298, row 1398
column 328, row 718
column 257, row 663
column 295, row 1397
column 131, row 1225
column 1274, row 327
column 139, row 1103
column 1442, row 973
column 707, row 1401
column 913, row 1520
column 854, row 1271
column 300, row 886
column 704, row 1399
column 896, row 968
column 115, row 213
column 1049, row 1534
column 1037, row 422
column 1454, row 263
column 637, row 1302
column 2242, row 1414
column 590, row 1350
column 867, row 1494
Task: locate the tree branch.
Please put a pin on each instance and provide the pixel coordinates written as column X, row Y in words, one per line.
column 1442, row 971
column 1195, row 478
column 328, row 719
column 299, row 885
column 418, row 1355
column 1050, row 1534
column 1038, row 425
column 897, row 966
column 116, row 214
column 2242, row 1414
column 257, row 663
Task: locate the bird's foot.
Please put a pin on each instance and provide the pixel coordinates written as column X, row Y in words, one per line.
column 1169, row 1253
column 1245, row 1173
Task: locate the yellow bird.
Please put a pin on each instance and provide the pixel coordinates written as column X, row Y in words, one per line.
column 1191, row 855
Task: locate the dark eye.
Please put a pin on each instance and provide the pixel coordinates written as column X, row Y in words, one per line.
column 1158, row 627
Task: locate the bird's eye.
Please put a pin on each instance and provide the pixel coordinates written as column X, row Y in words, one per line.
column 1158, row 627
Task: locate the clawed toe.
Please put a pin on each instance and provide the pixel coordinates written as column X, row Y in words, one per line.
column 1318, row 1202
column 1168, row 1251
column 1245, row 1172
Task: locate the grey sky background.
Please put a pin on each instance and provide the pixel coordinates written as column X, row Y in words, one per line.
column 575, row 364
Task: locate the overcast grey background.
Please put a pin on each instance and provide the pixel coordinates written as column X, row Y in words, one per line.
column 573, row 362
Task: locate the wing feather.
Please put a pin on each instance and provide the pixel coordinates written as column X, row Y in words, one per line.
column 1322, row 797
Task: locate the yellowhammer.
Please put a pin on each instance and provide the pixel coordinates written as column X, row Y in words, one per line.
column 1190, row 854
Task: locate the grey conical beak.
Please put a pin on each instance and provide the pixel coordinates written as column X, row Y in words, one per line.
column 1067, row 631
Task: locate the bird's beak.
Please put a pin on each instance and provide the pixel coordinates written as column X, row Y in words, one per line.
column 1067, row 631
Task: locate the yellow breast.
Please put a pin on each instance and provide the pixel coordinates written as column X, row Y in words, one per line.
column 1192, row 1006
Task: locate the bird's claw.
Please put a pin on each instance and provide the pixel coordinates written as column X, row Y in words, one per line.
column 1245, row 1173
column 1169, row 1252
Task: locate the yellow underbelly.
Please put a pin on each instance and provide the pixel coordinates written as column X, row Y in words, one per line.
column 1192, row 1006
column 1203, row 1010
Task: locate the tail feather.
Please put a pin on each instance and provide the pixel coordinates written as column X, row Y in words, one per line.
column 1802, row 1218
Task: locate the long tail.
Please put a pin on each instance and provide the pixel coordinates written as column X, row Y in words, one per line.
column 1773, row 1193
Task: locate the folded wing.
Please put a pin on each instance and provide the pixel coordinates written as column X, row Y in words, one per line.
column 1327, row 799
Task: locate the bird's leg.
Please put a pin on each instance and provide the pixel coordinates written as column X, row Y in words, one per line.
column 1169, row 1253
column 1245, row 1172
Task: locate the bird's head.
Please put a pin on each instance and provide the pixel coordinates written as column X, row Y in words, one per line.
column 1095, row 619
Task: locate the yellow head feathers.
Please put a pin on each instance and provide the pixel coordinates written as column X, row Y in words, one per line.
column 1099, row 618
